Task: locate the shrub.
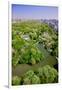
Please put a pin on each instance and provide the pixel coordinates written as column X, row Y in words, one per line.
column 16, row 80
column 47, row 74
column 29, row 74
column 35, row 79
column 31, row 55
column 26, row 81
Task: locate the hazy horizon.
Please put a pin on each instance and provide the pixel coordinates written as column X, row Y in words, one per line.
column 30, row 12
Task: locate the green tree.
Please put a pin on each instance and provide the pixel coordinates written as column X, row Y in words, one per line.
column 47, row 74
column 35, row 79
column 28, row 76
column 29, row 73
column 16, row 80
column 26, row 81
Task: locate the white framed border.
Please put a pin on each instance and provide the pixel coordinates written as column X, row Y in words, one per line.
column 10, row 55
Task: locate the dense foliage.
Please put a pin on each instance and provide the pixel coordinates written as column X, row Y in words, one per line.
column 33, row 43
column 45, row 74
column 25, row 36
column 16, row 80
column 30, row 54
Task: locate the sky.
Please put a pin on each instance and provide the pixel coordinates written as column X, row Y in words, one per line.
column 34, row 12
